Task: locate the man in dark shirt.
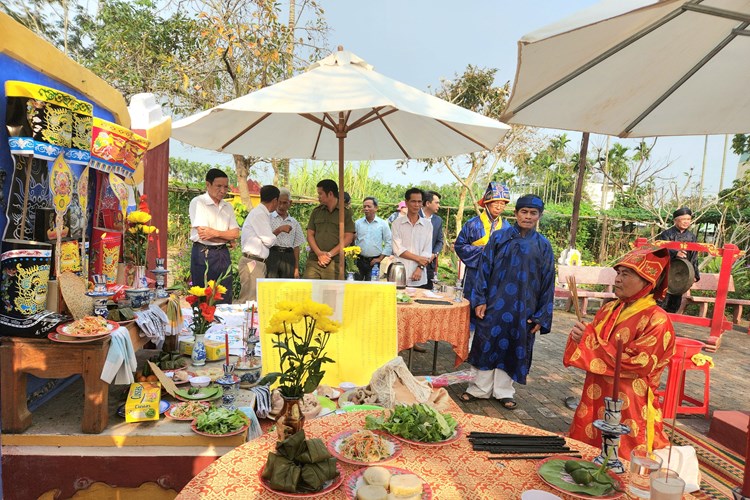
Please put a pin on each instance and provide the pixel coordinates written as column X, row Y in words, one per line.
column 431, row 205
column 682, row 218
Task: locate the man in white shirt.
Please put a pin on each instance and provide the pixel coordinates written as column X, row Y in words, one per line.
column 257, row 238
column 412, row 239
column 283, row 259
column 213, row 227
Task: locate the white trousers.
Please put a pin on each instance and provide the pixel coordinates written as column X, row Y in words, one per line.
column 491, row 383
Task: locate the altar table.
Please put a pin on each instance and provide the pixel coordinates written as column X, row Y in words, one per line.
column 422, row 322
column 453, row 471
column 46, row 359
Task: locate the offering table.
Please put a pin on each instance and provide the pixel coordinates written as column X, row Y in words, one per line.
column 46, row 359
column 421, row 322
column 452, row 471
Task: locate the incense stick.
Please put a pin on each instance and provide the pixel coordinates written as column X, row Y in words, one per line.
column 574, row 294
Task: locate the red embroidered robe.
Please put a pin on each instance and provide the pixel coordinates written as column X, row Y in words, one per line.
column 648, row 345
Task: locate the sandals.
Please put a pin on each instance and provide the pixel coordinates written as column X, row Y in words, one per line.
column 508, row 403
column 467, row 398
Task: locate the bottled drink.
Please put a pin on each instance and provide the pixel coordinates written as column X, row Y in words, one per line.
column 375, row 275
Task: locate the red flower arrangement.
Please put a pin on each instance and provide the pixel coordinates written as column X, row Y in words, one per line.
column 202, row 300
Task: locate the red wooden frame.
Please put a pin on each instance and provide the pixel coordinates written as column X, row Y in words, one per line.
column 729, row 254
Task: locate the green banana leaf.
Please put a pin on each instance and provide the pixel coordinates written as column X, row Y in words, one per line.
column 316, row 452
column 553, row 471
column 203, row 393
column 292, row 446
column 315, row 475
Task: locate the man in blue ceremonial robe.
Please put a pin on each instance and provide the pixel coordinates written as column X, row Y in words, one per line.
column 512, row 299
column 476, row 233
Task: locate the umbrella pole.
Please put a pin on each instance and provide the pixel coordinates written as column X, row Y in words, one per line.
column 341, row 134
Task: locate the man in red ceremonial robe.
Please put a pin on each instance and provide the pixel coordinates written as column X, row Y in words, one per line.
column 648, row 344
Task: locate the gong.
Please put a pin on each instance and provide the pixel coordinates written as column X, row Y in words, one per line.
column 681, row 276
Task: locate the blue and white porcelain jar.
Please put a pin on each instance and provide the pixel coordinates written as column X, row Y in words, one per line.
column 198, row 355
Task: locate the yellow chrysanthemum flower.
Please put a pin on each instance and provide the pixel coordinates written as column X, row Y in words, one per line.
column 198, row 291
column 132, row 230
column 286, row 305
column 288, row 317
column 274, row 327
column 211, row 283
column 148, row 229
column 138, row 217
column 221, row 289
column 328, row 326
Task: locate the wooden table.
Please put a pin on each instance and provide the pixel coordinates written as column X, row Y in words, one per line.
column 46, row 359
column 422, row 322
column 452, row 471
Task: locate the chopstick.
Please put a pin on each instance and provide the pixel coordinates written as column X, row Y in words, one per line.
column 574, row 294
column 529, row 457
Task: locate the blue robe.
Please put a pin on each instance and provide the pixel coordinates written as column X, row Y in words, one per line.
column 517, row 282
column 471, row 255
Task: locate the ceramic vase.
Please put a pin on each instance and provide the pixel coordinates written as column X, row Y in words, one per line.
column 198, row 356
column 139, row 277
column 349, row 276
column 291, row 420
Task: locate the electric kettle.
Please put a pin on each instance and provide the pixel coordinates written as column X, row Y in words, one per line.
column 397, row 274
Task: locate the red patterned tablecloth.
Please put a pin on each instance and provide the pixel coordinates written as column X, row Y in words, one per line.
column 453, row 471
column 422, row 322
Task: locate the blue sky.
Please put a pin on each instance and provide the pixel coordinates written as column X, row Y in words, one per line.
column 421, row 41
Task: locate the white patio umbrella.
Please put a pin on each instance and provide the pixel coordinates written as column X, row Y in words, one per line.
column 639, row 68
column 340, row 109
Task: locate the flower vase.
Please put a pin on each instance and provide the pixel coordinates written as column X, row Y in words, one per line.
column 198, row 356
column 349, row 276
column 139, row 277
column 291, row 420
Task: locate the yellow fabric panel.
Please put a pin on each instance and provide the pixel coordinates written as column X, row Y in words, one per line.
column 368, row 335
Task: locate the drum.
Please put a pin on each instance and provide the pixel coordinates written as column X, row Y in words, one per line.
column 25, row 268
column 681, row 276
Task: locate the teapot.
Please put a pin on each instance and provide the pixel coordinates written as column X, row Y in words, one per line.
column 397, row 274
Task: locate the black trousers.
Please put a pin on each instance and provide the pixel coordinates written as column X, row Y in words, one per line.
column 672, row 303
column 364, row 268
column 430, row 274
column 280, row 263
column 211, row 262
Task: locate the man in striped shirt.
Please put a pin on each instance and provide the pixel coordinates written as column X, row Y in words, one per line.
column 283, row 259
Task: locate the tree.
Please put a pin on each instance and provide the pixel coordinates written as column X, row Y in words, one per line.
column 193, row 54
column 475, row 90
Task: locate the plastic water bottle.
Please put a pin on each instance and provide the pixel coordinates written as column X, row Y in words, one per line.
column 375, row 275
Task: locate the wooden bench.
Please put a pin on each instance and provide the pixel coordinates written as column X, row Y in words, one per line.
column 585, row 275
column 710, row 282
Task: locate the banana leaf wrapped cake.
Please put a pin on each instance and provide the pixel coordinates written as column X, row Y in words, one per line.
column 300, row 465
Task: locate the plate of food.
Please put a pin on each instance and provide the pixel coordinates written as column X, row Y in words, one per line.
column 163, row 407
column 56, row 337
column 199, row 393
column 418, row 424
column 403, row 299
column 220, row 422
column 328, row 392
column 328, row 486
column 179, row 376
column 359, row 396
column 580, row 478
column 87, row 327
column 213, row 372
column 188, row 410
column 363, row 447
column 381, row 481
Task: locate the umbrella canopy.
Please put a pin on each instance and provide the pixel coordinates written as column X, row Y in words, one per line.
column 340, row 109
column 638, row 68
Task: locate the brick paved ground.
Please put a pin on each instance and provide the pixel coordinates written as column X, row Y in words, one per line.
column 541, row 403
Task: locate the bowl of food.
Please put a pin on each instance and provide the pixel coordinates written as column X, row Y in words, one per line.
column 200, row 381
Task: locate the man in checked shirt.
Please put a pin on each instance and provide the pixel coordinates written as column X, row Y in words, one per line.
column 283, row 258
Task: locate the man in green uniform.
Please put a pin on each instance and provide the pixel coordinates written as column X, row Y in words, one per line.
column 323, row 234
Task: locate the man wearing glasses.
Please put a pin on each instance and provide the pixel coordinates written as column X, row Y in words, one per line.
column 213, row 227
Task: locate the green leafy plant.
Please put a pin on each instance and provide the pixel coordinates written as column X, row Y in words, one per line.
column 418, row 422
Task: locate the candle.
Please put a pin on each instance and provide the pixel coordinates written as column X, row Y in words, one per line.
column 158, row 245
column 618, row 365
column 252, row 316
column 226, row 347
